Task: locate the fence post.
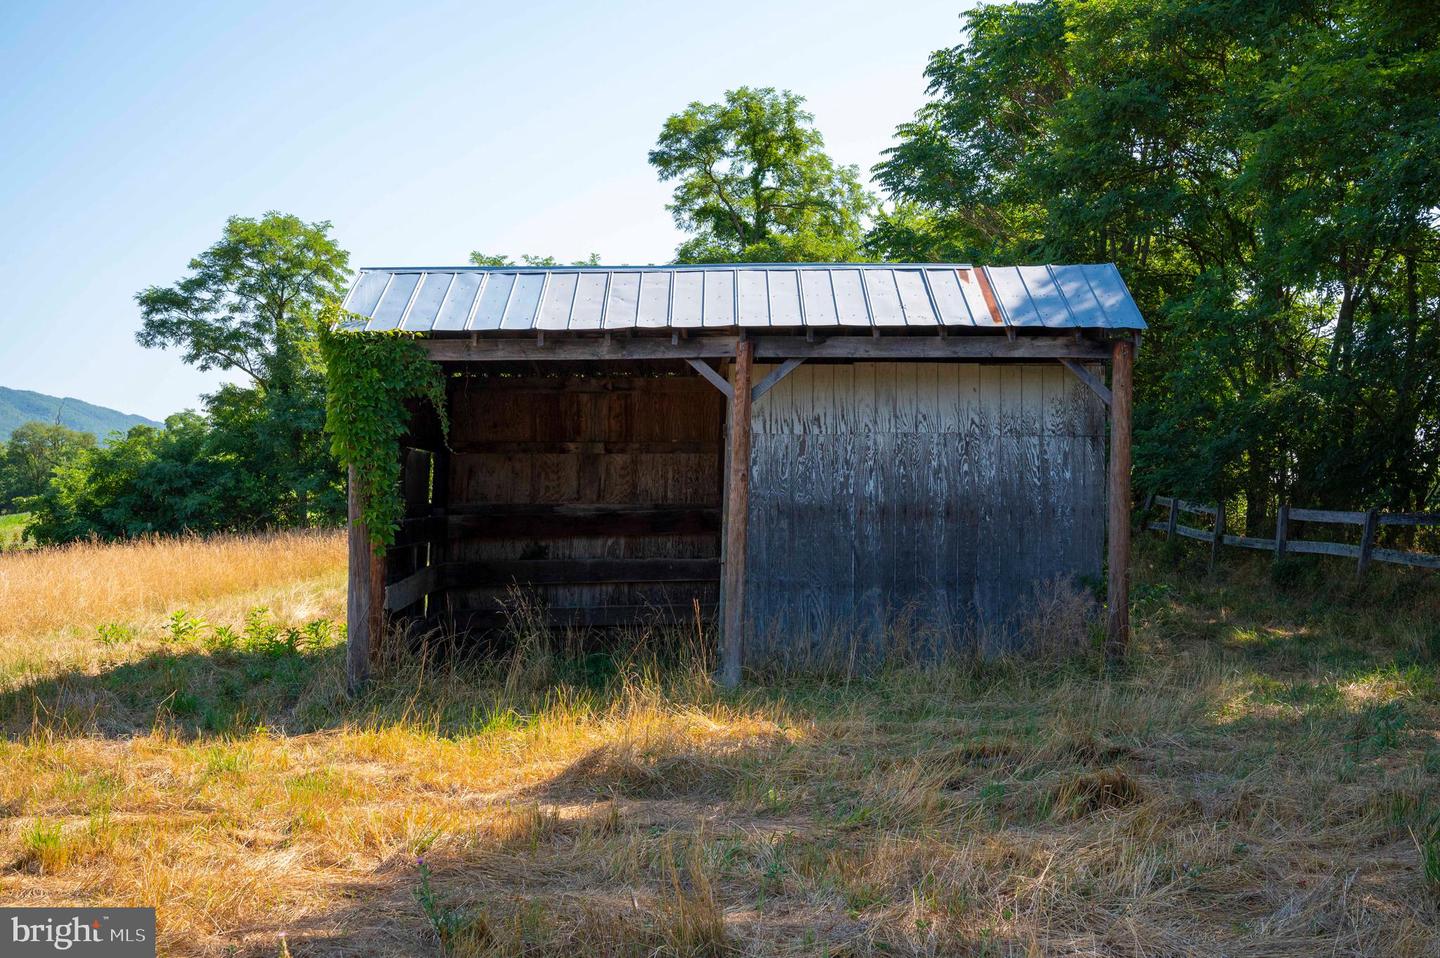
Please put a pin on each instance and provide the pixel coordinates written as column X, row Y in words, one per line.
column 1282, row 523
column 1174, row 517
column 1367, row 541
column 1219, row 537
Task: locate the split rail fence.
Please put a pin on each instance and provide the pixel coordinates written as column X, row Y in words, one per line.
column 1364, row 553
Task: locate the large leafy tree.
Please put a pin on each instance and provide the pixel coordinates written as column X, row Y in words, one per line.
column 249, row 304
column 1267, row 180
column 34, row 451
column 248, row 301
column 753, row 182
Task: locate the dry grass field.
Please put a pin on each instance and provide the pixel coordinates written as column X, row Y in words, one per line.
column 1262, row 780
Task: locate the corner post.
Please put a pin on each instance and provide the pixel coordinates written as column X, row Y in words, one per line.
column 1122, row 374
column 364, row 594
column 737, row 515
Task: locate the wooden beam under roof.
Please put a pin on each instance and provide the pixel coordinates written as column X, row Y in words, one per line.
column 860, row 348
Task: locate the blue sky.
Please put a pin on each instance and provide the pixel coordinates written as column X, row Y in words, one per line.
column 421, row 130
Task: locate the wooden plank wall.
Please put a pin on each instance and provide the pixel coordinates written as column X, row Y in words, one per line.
column 554, row 445
column 921, row 493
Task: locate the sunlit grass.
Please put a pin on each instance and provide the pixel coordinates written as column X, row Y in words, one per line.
column 12, row 530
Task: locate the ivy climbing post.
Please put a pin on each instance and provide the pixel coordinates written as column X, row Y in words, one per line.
column 370, row 376
column 364, row 608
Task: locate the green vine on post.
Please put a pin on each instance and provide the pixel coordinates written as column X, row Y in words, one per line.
column 370, row 376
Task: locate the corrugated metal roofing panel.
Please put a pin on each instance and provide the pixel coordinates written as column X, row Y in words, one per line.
column 365, row 294
column 819, row 297
column 493, row 300
column 654, row 310
column 883, row 297
column 427, row 300
column 720, row 297
column 1115, row 300
column 914, row 298
column 850, row 297
column 687, row 299
column 1015, row 303
column 454, row 312
column 559, row 301
column 949, row 299
column 520, row 311
column 589, row 308
column 748, row 295
column 784, row 290
column 752, row 298
column 622, row 301
column 393, row 301
column 1084, row 307
column 1049, row 302
column 975, row 299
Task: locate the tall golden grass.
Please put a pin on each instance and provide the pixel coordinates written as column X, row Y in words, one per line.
column 52, row 598
column 1263, row 779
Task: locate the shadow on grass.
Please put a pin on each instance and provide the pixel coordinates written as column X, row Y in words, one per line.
column 190, row 690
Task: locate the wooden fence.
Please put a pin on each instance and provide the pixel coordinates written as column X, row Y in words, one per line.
column 1364, row 553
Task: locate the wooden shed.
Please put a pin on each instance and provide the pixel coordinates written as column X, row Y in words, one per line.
column 804, row 452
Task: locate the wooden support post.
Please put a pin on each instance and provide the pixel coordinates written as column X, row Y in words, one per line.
column 365, row 594
column 737, row 514
column 1218, row 538
column 1367, row 541
column 1174, row 518
column 1122, row 374
column 1282, row 530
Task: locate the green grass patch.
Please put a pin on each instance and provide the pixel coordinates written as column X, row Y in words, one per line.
column 12, row 531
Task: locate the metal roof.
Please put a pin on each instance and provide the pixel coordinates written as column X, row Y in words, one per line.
column 521, row 298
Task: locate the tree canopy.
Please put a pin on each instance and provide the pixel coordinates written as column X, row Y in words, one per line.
column 1267, row 180
column 753, row 183
column 258, row 456
column 247, row 299
column 34, row 451
column 478, row 258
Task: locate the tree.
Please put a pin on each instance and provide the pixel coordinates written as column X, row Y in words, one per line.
column 34, row 451
column 248, row 299
column 1266, row 179
column 754, row 184
column 148, row 481
column 249, row 303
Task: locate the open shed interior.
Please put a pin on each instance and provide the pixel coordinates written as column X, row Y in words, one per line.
column 588, row 496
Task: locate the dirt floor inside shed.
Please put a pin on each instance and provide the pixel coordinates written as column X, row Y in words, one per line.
column 1264, row 780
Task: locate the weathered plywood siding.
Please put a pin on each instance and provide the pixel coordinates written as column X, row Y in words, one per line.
column 918, row 498
column 609, row 450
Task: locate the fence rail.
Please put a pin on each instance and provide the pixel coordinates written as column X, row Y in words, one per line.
column 1282, row 544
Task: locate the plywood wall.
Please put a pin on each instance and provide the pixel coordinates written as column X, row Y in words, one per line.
column 933, row 494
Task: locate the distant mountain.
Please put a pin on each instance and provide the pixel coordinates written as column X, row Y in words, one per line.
column 18, row 406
